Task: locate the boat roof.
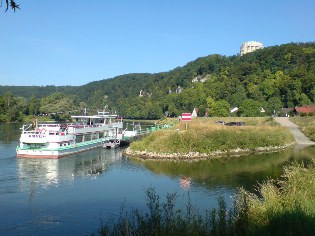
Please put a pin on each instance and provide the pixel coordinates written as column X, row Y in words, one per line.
column 95, row 116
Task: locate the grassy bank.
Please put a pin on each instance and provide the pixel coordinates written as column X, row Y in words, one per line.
column 280, row 207
column 204, row 136
column 283, row 207
column 306, row 125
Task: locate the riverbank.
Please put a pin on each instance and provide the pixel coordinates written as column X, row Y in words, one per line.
column 196, row 156
column 206, row 139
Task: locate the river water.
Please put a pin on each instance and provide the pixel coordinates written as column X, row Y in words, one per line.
column 73, row 195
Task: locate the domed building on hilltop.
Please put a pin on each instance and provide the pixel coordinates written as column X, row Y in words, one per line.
column 250, row 46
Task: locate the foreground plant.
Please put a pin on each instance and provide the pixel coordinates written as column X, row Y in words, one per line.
column 283, row 207
column 162, row 218
column 280, row 207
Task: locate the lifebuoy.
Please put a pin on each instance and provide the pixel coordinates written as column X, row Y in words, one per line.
column 43, row 130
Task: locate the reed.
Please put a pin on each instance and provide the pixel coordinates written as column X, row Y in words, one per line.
column 162, row 218
column 282, row 207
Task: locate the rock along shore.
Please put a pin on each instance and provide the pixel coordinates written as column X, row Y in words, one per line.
column 196, row 156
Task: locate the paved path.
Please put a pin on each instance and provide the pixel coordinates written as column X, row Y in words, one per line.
column 300, row 138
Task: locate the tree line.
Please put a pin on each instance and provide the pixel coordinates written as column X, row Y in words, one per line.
column 258, row 84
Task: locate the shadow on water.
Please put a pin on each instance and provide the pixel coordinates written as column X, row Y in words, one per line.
column 233, row 172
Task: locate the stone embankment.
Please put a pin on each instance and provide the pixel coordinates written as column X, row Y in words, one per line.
column 196, row 156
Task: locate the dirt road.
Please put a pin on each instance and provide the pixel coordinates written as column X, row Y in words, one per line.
column 300, row 138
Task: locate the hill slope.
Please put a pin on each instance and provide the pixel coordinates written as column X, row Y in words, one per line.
column 270, row 78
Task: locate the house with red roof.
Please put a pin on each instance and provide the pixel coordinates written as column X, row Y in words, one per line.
column 305, row 109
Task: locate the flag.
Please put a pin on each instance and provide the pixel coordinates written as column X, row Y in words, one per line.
column 33, row 122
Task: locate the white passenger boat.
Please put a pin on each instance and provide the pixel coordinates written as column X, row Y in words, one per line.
column 59, row 140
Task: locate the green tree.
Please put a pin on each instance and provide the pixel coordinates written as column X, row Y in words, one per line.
column 57, row 103
column 268, row 88
column 304, row 100
column 172, row 110
column 273, row 106
column 250, row 108
column 210, row 102
column 9, row 107
column 313, row 94
column 236, row 97
column 154, row 111
column 33, row 106
column 220, row 108
column 98, row 100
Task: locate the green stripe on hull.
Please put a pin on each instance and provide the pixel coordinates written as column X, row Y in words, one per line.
column 65, row 147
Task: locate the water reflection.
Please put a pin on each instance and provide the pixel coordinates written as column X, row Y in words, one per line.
column 43, row 173
column 9, row 132
column 185, row 182
column 231, row 172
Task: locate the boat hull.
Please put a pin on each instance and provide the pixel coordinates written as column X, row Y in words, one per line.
column 58, row 153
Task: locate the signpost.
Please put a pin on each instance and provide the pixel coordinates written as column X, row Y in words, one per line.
column 186, row 117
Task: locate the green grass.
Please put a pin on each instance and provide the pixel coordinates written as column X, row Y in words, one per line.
column 306, row 125
column 285, row 206
column 280, row 207
column 205, row 136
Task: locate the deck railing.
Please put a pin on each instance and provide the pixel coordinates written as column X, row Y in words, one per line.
column 142, row 132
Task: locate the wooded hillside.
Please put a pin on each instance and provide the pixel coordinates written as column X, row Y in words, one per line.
column 269, row 78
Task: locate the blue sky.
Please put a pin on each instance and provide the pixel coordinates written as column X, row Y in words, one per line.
column 74, row 42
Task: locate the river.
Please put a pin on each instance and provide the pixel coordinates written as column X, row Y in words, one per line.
column 73, row 195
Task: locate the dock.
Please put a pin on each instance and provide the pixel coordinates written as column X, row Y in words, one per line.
column 126, row 137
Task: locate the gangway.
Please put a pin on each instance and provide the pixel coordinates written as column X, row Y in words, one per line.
column 126, row 137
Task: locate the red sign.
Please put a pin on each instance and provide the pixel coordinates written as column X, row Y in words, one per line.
column 186, row 116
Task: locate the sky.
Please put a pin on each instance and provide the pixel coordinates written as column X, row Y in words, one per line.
column 74, row 42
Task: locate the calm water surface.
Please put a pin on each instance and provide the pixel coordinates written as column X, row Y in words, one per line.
column 70, row 196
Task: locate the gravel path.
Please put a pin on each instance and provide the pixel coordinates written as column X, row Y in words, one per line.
column 300, row 138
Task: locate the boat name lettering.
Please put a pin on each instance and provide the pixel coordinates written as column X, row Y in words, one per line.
column 37, row 136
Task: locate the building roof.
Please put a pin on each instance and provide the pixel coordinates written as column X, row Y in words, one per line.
column 305, row 109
